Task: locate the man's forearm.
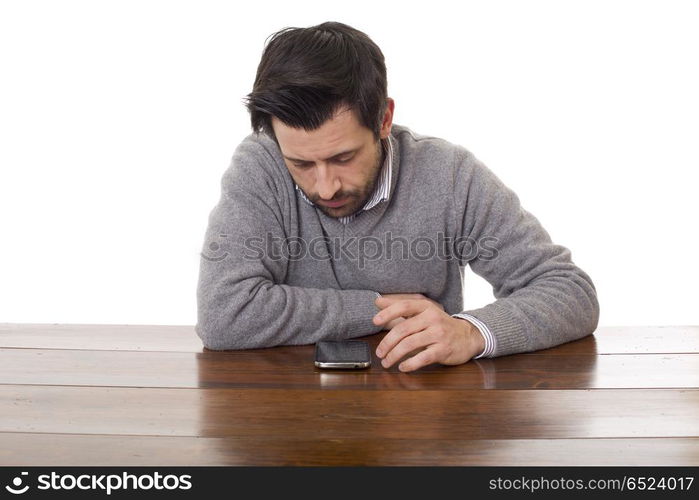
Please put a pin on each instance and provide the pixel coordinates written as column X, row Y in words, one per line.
column 543, row 315
column 543, row 298
column 255, row 313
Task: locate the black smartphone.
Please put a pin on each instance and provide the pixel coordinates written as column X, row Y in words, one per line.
column 343, row 354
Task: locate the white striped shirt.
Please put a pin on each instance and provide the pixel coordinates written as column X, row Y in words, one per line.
column 381, row 192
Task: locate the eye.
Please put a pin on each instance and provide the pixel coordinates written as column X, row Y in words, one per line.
column 345, row 160
column 301, row 165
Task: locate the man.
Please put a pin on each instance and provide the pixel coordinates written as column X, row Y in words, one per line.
column 335, row 223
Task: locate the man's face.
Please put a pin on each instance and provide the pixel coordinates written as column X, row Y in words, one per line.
column 337, row 165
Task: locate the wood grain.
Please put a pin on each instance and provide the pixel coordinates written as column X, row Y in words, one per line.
column 103, row 450
column 633, row 340
column 293, row 368
column 606, row 340
column 152, row 395
column 351, row 414
column 105, row 337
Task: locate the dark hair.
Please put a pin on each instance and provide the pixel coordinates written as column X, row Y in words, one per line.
column 306, row 75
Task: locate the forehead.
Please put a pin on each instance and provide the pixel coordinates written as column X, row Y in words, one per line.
column 342, row 132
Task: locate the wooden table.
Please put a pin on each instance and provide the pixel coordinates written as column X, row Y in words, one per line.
column 151, row 395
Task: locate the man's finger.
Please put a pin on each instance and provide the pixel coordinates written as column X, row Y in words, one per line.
column 403, row 296
column 386, row 300
column 423, row 358
column 405, row 308
column 383, row 301
column 407, row 327
column 407, row 345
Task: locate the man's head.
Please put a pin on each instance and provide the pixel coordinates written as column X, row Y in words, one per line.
column 321, row 92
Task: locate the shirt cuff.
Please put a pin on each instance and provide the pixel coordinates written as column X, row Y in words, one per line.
column 485, row 331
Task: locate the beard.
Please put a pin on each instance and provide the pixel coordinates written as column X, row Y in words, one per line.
column 357, row 197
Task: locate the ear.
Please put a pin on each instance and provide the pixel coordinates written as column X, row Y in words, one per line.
column 388, row 118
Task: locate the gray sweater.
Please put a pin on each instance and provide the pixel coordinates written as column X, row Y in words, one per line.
column 275, row 270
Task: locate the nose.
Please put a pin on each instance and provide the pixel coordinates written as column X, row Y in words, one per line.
column 327, row 183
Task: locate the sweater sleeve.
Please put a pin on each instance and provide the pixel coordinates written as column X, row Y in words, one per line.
column 542, row 298
column 242, row 301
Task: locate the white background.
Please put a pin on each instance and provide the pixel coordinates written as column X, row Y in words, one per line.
column 117, row 120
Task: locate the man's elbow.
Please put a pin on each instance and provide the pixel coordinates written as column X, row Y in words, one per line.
column 218, row 339
column 230, row 316
column 583, row 301
column 594, row 311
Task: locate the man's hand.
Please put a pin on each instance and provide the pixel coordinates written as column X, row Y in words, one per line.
column 426, row 328
column 393, row 297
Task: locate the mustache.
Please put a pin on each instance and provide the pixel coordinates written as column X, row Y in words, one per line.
column 339, row 197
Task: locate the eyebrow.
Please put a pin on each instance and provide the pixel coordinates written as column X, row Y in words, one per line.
column 331, row 158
